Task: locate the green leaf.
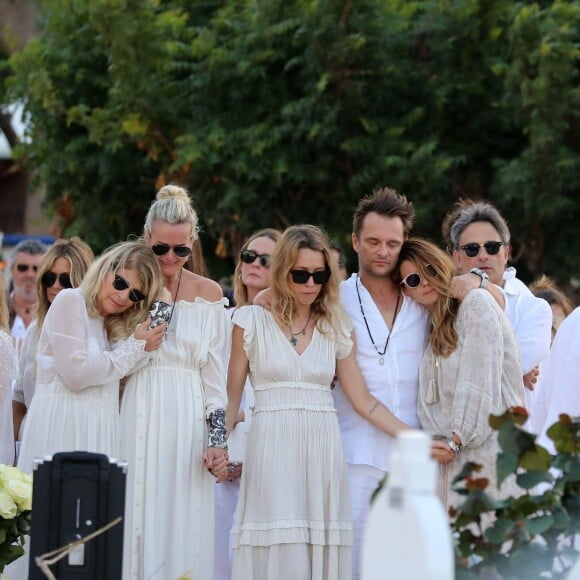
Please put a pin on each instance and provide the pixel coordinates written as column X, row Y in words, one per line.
column 530, row 479
column 506, row 465
column 538, row 525
column 536, row 458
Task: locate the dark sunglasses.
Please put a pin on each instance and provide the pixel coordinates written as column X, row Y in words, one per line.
column 249, row 257
column 26, row 267
column 302, row 276
column 414, row 280
column 120, row 284
column 471, row 250
column 49, row 279
column 179, row 251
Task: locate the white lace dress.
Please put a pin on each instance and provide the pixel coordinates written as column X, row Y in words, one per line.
column 169, row 507
column 458, row 393
column 7, row 371
column 294, row 517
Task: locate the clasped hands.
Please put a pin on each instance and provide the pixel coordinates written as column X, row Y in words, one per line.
column 441, row 452
column 216, row 460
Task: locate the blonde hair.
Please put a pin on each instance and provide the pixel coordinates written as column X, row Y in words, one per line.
column 4, row 316
column 327, row 304
column 240, row 289
column 79, row 256
column 443, row 336
column 172, row 206
column 137, row 256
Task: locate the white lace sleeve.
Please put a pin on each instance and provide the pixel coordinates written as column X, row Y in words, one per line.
column 478, row 388
column 7, row 368
column 69, row 329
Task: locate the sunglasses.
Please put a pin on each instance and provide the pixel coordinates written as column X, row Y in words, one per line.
column 414, row 280
column 471, row 250
column 49, row 279
column 180, row 251
column 302, row 276
column 249, row 257
column 26, row 267
column 120, row 284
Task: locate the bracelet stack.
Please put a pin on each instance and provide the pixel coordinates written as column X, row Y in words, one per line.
column 217, row 429
column 454, row 446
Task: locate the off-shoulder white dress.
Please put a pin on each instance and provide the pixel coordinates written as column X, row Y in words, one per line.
column 169, row 514
column 458, row 393
column 294, row 517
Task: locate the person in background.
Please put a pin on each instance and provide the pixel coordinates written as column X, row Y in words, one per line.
column 62, row 266
column 251, row 275
column 173, row 411
column 338, row 253
column 7, row 370
column 471, row 367
column 24, row 260
column 560, row 304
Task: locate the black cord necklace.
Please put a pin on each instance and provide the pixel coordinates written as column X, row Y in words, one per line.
column 174, row 301
column 381, row 354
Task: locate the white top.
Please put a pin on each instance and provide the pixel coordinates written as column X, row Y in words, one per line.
column 7, row 368
column 25, row 382
column 395, row 384
column 561, row 376
column 531, row 318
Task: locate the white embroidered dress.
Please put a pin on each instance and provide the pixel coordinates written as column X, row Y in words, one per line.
column 170, row 494
column 294, row 518
column 7, row 371
column 458, row 393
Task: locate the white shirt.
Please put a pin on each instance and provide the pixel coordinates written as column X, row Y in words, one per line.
column 531, row 318
column 395, row 384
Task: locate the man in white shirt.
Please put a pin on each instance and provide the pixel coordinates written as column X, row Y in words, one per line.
column 480, row 239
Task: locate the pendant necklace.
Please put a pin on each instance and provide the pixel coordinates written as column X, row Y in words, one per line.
column 293, row 335
column 174, row 301
column 381, row 354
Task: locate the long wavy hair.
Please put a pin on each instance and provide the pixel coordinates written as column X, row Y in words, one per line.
column 134, row 255
column 79, row 256
column 422, row 253
column 327, row 306
column 240, row 289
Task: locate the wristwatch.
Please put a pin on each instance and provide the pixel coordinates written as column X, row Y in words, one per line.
column 482, row 274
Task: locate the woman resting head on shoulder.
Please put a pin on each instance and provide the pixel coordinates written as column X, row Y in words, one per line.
column 171, row 229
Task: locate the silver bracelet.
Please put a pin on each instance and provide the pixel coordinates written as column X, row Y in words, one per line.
column 454, row 446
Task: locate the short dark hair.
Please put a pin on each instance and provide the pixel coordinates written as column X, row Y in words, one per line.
column 387, row 203
column 468, row 211
column 334, row 245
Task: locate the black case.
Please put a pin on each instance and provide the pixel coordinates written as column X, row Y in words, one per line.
column 74, row 495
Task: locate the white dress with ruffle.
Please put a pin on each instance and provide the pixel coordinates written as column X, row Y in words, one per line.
column 294, row 517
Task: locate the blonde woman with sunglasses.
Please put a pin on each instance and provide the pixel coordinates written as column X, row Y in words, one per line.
column 294, row 518
column 62, row 266
column 92, row 336
column 470, row 368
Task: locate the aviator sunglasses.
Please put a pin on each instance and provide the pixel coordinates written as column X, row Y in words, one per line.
column 471, row 250
column 302, row 276
column 249, row 257
column 25, row 267
column 180, row 251
column 414, row 280
column 120, row 284
column 49, row 279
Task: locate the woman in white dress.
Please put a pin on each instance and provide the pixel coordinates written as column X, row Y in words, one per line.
column 470, row 369
column 251, row 275
column 294, row 517
column 167, row 409
column 62, row 266
column 91, row 337
column 7, row 371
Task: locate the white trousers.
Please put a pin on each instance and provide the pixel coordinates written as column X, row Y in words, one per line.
column 363, row 481
column 226, row 500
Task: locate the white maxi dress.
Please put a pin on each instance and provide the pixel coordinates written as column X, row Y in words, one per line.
column 169, row 509
column 294, row 518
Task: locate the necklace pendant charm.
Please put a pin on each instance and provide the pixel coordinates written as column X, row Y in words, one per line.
column 382, row 361
column 293, row 341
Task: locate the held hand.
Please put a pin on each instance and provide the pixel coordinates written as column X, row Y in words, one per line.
column 234, row 471
column 152, row 336
column 216, row 462
column 531, row 378
column 441, row 452
column 461, row 285
column 264, row 299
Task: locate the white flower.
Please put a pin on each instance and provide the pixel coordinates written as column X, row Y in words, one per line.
column 21, row 493
column 8, row 507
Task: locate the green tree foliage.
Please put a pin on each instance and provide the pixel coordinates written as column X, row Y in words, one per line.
column 281, row 112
